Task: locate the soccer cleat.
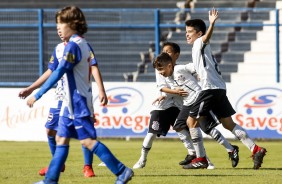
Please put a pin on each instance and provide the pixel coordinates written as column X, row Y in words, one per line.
column 211, row 166
column 187, row 160
column 44, row 170
column 234, row 156
column 40, row 182
column 258, row 158
column 47, row 181
column 140, row 164
column 88, row 171
column 102, row 164
column 125, row 176
column 197, row 163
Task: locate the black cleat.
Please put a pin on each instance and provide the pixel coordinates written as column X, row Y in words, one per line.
column 187, row 160
column 258, row 158
column 197, row 163
column 234, row 156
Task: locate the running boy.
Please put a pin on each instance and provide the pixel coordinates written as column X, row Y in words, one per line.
column 180, row 77
column 164, row 114
column 213, row 97
column 52, row 122
column 76, row 115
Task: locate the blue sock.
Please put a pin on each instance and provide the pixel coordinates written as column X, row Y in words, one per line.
column 88, row 156
column 57, row 163
column 108, row 158
column 52, row 144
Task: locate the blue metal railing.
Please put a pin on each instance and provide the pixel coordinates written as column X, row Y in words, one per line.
column 156, row 25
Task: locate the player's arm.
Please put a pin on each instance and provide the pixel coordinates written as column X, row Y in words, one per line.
column 191, row 69
column 176, row 91
column 213, row 15
column 27, row 91
column 159, row 100
column 51, row 81
column 99, row 81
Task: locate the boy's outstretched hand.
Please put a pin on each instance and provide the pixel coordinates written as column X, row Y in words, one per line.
column 25, row 93
column 31, row 101
column 213, row 15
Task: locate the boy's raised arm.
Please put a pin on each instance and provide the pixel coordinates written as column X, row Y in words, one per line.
column 213, row 15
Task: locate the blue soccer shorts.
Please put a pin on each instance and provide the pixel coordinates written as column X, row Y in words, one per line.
column 79, row 128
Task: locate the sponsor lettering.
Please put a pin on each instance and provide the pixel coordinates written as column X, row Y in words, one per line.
column 137, row 124
column 259, row 123
column 13, row 117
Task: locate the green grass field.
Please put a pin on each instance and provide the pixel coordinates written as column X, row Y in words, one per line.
column 20, row 162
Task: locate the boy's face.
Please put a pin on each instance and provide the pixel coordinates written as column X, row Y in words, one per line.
column 64, row 31
column 192, row 35
column 169, row 50
column 166, row 71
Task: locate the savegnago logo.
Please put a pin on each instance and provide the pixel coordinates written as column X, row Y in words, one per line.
column 260, row 109
column 122, row 111
column 122, row 100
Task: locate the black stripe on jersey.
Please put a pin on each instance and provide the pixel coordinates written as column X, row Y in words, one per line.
column 203, row 54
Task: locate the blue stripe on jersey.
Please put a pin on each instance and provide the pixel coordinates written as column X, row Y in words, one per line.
column 72, row 55
column 93, row 60
column 53, row 62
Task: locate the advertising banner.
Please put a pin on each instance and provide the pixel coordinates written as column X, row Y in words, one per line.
column 258, row 107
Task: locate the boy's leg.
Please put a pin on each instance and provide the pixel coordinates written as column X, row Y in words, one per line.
column 197, row 139
column 51, row 130
column 57, row 163
column 88, row 160
column 232, row 150
column 180, row 126
column 87, row 137
column 123, row 173
column 185, row 137
column 258, row 153
column 58, row 160
column 51, row 137
column 146, row 146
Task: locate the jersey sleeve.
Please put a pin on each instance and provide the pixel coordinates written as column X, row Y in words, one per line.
column 190, row 68
column 53, row 62
column 161, row 82
column 72, row 55
column 93, row 60
column 51, row 81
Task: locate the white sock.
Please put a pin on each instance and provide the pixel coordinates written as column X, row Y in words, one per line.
column 197, row 139
column 185, row 137
column 242, row 135
column 215, row 134
column 147, row 144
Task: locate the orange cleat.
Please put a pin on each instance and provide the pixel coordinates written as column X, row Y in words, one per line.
column 44, row 170
column 88, row 171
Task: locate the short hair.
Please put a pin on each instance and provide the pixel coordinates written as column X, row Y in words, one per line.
column 174, row 46
column 197, row 24
column 74, row 17
column 162, row 60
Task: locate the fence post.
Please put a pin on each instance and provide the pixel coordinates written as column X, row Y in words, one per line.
column 157, row 32
column 40, row 41
column 277, row 47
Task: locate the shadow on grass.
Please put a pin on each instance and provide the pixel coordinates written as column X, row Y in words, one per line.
column 262, row 168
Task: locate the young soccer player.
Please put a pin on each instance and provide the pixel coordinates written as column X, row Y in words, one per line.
column 164, row 114
column 52, row 122
column 213, row 97
column 180, row 77
column 76, row 115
